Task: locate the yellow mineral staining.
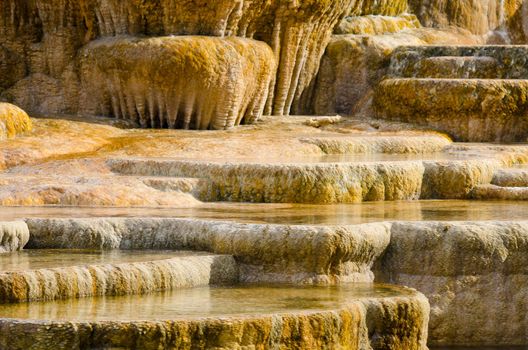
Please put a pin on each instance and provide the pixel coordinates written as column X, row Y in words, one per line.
column 467, row 109
column 13, row 121
column 481, row 17
column 184, row 82
column 379, row 7
column 375, row 25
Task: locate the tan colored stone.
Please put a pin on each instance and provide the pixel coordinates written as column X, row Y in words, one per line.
column 13, row 236
column 398, row 323
column 111, row 279
column 13, row 121
column 474, row 275
column 376, row 25
column 267, row 253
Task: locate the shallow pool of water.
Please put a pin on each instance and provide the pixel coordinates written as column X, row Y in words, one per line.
column 439, row 210
column 51, row 258
column 200, row 302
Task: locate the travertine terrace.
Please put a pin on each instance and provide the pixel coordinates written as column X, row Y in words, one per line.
column 263, row 174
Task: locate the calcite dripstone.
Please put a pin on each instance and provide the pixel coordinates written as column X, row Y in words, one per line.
column 48, row 35
column 185, row 81
column 13, row 121
column 13, row 236
column 482, row 17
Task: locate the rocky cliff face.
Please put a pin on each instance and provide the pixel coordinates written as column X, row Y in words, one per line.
column 41, row 40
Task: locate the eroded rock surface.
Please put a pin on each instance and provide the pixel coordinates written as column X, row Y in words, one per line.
column 186, row 82
column 474, row 275
column 116, row 278
column 394, row 322
column 267, row 253
column 13, row 236
column 13, row 121
column 48, row 35
column 472, row 110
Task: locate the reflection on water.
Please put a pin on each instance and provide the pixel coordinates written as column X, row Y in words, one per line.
column 331, row 158
column 50, row 258
column 450, row 210
column 200, row 302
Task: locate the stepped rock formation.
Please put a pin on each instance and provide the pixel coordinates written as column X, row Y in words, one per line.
column 469, row 110
column 187, row 82
column 474, row 275
column 13, row 236
column 46, row 36
column 13, row 121
column 394, row 322
column 117, row 278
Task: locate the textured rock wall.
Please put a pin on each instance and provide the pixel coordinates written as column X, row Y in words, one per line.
column 289, row 183
column 468, row 110
column 46, row 36
column 189, row 82
column 13, row 121
column 480, row 17
column 353, row 65
column 473, row 274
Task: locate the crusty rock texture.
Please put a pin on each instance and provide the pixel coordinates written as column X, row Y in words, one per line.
column 47, row 36
column 267, row 253
column 474, row 275
column 186, row 82
column 346, row 182
column 471, row 110
column 13, row 121
column 464, row 62
column 375, row 25
column 353, row 65
column 13, row 236
column 397, row 323
column 508, row 17
column 109, row 279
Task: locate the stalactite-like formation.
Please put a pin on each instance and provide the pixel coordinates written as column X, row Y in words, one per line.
column 49, row 34
column 13, row 121
column 187, row 82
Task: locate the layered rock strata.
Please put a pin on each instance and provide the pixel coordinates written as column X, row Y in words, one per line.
column 109, row 279
column 507, row 62
column 353, row 65
column 13, row 121
column 186, row 82
column 396, row 322
column 13, row 236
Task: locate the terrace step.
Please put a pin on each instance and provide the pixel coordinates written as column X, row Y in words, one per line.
column 511, row 177
column 458, row 67
column 474, row 110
